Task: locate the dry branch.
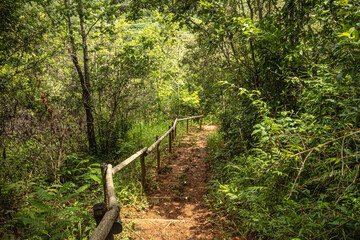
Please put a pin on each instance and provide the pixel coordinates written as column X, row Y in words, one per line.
column 321, row 145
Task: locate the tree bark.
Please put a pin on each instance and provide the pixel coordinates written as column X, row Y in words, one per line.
column 260, row 10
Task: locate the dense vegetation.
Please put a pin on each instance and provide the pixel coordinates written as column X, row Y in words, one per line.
column 82, row 81
column 288, row 164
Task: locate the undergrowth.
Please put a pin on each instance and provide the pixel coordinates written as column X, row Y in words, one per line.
column 295, row 176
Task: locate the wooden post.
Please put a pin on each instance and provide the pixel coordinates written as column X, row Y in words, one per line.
column 99, row 212
column 158, row 154
column 143, row 170
column 187, row 125
column 108, row 225
column 175, row 131
column 170, row 140
column 200, row 123
column 103, row 174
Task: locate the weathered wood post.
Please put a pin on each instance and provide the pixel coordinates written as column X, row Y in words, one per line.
column 187, row 126
column 100, row 209
column 158, row 154
column 103, row 174
column 143, row 170
column 200, row 122
column 170, row 140
column 99, row 212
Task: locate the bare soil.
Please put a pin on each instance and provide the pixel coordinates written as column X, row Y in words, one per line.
column 177, row 206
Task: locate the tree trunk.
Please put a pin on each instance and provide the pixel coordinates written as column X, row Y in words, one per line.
column 84, row 78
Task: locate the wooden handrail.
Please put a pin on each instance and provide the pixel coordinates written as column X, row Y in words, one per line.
column 105, row 226
column 159, row 140
column 110, row 187
column 188, row 118
column 128, row 161
column 175, row 122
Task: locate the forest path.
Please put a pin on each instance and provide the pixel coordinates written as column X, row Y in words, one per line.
column 177, row 206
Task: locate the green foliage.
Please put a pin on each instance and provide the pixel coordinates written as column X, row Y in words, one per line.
column 46, row 215
column 144, row 133
column 299, row 177
column 281, row 77
column 348, row 50
column 43, row 121
column 288, row 165
column 50, row 212
column 259, row 190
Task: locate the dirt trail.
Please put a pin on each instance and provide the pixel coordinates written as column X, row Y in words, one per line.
column 178, row 209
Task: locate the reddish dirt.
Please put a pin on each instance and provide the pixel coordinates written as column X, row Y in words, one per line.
column 177, row 206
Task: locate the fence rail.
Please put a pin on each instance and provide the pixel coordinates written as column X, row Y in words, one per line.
column 107, row 214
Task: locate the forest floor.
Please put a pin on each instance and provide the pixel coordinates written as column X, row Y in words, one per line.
column 177, row 208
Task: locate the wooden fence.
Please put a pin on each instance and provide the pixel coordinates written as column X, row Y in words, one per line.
column 107, row 214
